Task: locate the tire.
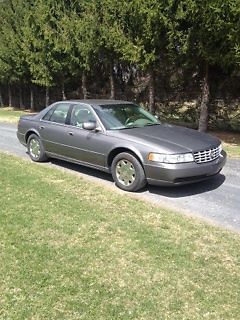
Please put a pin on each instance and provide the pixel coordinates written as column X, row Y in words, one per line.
column 35, row 149
column 128, row 172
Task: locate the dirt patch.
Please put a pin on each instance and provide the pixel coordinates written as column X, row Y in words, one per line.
column 227, row 137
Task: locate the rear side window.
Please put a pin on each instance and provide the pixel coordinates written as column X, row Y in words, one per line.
column 58, row 114
column 48, row 114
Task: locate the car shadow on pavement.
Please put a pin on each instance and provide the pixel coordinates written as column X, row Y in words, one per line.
column 82, row 169
column 170, row 192
column 190, row 189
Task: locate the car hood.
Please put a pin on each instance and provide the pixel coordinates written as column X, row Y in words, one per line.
column 169, row 138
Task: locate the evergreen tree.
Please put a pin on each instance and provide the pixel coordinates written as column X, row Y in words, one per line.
column 14, row 69
column 44, row 46
column 138, row 31
column 205, row 27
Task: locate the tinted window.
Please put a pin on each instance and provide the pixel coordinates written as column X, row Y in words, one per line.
column 48, row 114
column 59, row 115
column 81, row 114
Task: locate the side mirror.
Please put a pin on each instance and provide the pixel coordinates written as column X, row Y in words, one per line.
column 89, row 126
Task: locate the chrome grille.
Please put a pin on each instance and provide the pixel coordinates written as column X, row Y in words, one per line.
column 207, row 155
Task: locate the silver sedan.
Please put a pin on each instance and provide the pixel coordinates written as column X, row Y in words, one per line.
column 123, row 139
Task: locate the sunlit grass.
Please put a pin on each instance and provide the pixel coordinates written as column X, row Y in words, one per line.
column 72, row 249
column 233, row 150
column 231, row 143
column 11, row 115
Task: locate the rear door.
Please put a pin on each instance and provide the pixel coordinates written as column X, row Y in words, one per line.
column 53, row 129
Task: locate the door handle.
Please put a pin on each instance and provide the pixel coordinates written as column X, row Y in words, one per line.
column 70, row 133
column 41, row 127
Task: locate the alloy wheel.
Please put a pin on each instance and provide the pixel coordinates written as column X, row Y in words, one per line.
column 34, row 148
column 125, row 172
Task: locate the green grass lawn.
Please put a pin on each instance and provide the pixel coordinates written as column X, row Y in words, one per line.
column 232, row 150
column 72, row 249
column 11, row 115
column 231, row 143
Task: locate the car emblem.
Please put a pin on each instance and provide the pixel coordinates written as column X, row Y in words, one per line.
column 212, row 155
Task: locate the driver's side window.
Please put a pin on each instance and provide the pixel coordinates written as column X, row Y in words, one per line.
column 81, row 114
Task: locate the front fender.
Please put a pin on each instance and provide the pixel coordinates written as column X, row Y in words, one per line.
column 123, row 148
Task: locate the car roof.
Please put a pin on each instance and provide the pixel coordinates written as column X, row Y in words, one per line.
column 100, row 102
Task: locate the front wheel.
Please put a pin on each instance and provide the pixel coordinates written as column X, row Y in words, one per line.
column 35, row 148
column 128, row 172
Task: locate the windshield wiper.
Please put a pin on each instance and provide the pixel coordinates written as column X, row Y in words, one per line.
column 129, row 127
column 152, row 124
column 133, row 126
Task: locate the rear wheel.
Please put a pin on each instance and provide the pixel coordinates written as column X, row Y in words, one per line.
column 35, row 148
column 128, row 172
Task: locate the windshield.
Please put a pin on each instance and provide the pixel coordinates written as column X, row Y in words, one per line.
column 125, row 116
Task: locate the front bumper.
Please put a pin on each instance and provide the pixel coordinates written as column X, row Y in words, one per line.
column 163, row 174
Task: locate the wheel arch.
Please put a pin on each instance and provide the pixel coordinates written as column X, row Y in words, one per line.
column 29, row 132
column 113, row 153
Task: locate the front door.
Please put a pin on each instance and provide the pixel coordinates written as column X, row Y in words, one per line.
column 85, row 145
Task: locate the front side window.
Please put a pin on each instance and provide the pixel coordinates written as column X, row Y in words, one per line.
column 58, row 114
column 81, row 114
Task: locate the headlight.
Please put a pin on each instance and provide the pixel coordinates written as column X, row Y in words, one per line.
column 171, row 158
column 220, row 148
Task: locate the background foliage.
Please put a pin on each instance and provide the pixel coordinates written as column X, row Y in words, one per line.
column 180, row 58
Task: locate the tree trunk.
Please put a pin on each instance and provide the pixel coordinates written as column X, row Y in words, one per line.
column 151, row 88
column 203, row 118
column 84, row 85
column 20, row 98
column 63, row 90
column 1, row 98
column 112, row 82
column 9, row 96
column 31, row 99
column 47, row 96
